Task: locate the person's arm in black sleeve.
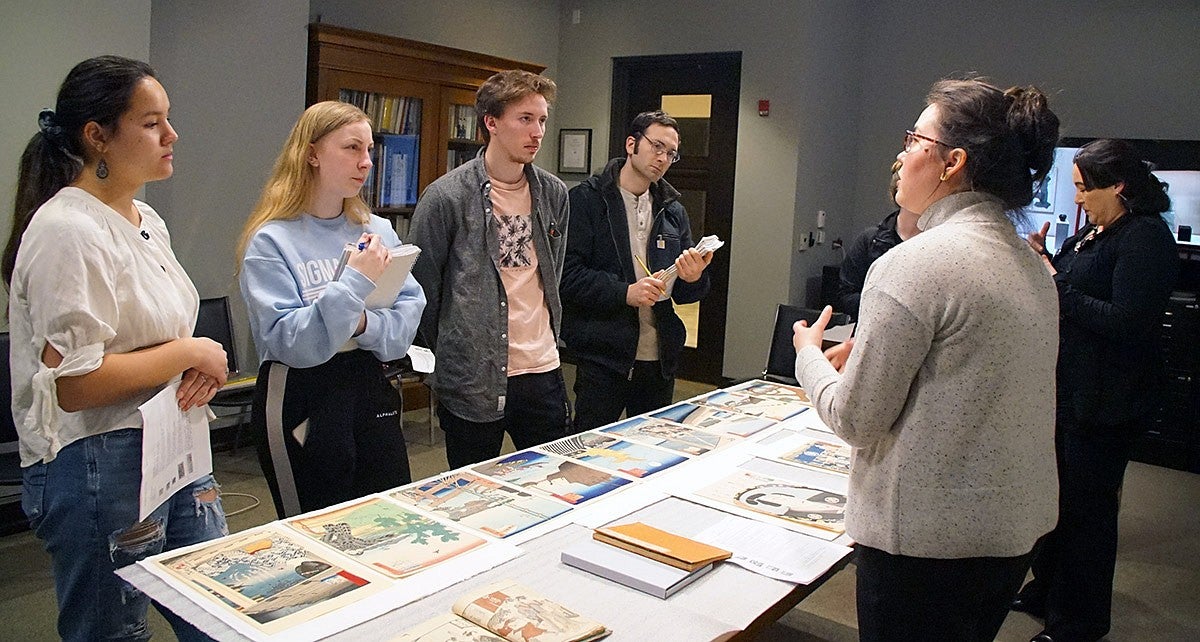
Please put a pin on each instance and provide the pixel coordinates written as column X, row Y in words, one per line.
column 684, row 292
column 853, row 274
column 583, row 285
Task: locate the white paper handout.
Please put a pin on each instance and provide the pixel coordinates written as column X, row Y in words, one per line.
column 175, row 448
column 771, row 551
column 710, row 243
column 422, row 359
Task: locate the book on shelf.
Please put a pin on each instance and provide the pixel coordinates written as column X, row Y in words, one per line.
column 510, row 611
column 631, row 569
column 397, row 169
column 463, row 122
column 390, row 114
column 671, row 549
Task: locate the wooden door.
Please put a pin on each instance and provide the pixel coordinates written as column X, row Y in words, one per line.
column 703, row 89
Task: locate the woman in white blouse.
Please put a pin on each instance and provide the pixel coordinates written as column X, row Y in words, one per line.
column 101, row 318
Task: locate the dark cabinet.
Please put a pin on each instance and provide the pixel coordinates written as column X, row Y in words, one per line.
column 1172, row 436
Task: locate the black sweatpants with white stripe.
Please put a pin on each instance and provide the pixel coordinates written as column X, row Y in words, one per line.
column 329, row 433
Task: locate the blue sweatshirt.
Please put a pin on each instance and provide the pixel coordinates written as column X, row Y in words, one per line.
column 299, row 315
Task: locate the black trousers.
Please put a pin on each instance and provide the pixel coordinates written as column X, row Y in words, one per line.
column 601, row 394
column 1073, row 565
column 337, row 432
column 916, row 598
column 536, row 410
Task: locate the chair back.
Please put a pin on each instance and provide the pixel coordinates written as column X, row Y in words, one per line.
column 8, row 430
column 10, row 458
column 214, row 321
column 781, row 358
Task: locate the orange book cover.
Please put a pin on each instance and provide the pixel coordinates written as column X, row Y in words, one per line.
column 668, row 548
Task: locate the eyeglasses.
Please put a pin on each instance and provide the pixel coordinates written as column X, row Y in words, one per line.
column 661, row 149
column 910, row 139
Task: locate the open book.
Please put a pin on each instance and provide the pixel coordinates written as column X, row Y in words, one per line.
column 510, row 611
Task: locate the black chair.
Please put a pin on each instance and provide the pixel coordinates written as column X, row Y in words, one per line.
column 11, row 518
column 781, row 358
column 215, row 322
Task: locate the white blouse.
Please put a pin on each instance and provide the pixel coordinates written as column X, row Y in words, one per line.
column 89, row 283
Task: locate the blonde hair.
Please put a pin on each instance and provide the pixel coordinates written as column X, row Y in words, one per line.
column 287, row 192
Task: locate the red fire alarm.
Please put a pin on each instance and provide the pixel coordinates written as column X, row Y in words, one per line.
column 764, row 108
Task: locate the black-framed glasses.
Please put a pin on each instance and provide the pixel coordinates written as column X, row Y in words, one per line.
column 911, row 137
column 661, row 149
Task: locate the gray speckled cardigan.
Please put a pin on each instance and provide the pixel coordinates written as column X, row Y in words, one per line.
column 948, row 396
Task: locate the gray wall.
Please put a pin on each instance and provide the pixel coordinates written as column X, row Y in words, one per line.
column 235, row 73
column 801, row 56
column 1111, row 68
column 39, row 43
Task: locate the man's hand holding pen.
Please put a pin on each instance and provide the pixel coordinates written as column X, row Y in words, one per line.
column 644, row 292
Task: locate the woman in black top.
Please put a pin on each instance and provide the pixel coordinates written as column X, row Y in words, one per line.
column 1114, row 278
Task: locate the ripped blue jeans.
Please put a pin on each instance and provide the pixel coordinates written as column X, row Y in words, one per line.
column 84, row 507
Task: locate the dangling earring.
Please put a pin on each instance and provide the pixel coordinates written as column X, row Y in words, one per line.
column 1124, row 202
column 944, row 175
column 102, row 170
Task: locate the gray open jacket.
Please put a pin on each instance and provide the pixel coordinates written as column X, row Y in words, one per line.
column 466, row 319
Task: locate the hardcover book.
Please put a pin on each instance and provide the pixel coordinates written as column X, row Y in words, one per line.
column 631, row 569
column 668, row 548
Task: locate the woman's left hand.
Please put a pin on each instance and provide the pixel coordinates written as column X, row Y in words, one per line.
column 196, row 389
column 811, row 336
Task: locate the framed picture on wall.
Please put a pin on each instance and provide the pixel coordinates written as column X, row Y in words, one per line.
column 574, row 151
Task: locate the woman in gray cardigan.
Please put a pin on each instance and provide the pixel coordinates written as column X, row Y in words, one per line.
column 948, row 394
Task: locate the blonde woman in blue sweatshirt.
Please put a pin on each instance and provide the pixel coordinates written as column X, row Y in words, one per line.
column 327, row 419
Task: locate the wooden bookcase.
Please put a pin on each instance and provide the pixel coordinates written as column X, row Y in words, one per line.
column 433, row 85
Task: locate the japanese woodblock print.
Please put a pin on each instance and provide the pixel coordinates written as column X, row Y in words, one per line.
column 822, row 455
column 713, row 419
column 567, row 480
column 819, row 512
column 271, row 579
column 387, row 537
column 518, row 614
column 448, row 627
column 603, row 451
column 666, row 434
column 769, row 407
column 484, row 504
column 771, row 390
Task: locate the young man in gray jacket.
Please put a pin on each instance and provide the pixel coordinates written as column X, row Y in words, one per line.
column 492, row 235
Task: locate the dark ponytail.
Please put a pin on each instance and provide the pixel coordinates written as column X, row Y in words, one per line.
column 1009, row 136
column 98, row 89
column 1106, row 162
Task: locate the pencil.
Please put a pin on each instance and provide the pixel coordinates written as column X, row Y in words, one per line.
column 643, row 264
column 647, row 269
